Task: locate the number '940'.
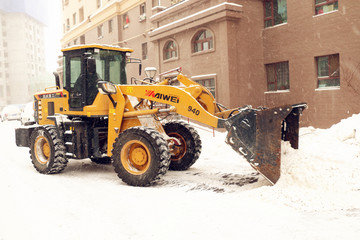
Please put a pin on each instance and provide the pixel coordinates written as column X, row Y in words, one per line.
column 194, row 110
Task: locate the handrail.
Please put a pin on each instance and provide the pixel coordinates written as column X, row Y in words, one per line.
column 178, row 69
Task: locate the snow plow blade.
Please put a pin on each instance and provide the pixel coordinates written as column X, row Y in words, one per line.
column 257, row 133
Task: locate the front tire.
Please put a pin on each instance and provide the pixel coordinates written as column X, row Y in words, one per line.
column 185, row 154
column 140, row 156
column 47, row 150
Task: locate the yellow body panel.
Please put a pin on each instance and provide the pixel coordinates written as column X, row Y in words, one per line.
column 185, row 104
column 44, row 99
column 60, row 98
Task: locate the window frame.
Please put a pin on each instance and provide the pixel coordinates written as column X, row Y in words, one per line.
column 100, row 31
column 275, row 82
column 144, row 51
column 272, row 17
column 82, row 39
column 98, row 3
column 211, row 88
column 126, row 20
column 74, row 19
column 156, row 3
column 167, row 50
column 326, row 2
column 173, row 2
column 110, row 26
column 330, row 73
column 195, row 40
column 142, row 8
column 81, row 14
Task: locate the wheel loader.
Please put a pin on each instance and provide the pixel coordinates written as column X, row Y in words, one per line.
column 93, row 112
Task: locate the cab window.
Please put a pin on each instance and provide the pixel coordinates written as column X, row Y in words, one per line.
column 110, row 65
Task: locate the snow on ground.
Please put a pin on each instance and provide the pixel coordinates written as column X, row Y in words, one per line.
column 220, row 197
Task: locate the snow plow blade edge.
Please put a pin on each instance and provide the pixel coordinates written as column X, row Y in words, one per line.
column 257, row 133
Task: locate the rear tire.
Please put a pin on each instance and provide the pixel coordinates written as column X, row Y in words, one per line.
column 140, row 156
column 47, row 150
column 184, row 155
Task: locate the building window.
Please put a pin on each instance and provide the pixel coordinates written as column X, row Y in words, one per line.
column 110, row 23
column 98, row 3
column 142, row 9
column 324, row 6
column 144, row 51
column 156, row 3
column 170, row 50
column 208, row 83
column 173, row 2
column 100, row 31
column 126, row 20
column 328, row 71
column 142, row 16
column 202, row 41
column 67, row 24
column 275, row 12
column 277, row 75
column 81, row 14
column 74, row 18
column 82, row 39
column 75, row 41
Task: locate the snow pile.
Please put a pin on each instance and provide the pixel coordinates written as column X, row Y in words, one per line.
column 324, row 173
column 317, row 196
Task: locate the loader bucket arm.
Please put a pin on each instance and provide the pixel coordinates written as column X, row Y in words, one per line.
column 254, row 133
column 257, row 133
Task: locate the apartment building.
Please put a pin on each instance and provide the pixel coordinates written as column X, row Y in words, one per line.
column 257, row 52
column 22, row 56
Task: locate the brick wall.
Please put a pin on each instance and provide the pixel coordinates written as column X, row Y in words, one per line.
column 305, row 37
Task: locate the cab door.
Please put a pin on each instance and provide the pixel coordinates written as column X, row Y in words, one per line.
column 75, row 81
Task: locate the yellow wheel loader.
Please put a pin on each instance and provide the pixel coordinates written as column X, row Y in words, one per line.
column 93, row 112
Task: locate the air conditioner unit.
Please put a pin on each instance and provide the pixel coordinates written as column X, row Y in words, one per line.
column 142, row 17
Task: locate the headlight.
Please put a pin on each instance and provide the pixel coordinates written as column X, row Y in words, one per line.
column 106, row 87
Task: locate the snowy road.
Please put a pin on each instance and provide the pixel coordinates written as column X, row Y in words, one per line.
column 220, row 197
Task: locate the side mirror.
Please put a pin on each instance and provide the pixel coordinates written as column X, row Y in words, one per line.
column 91, row 65
column 135, row 60
column 106, row 88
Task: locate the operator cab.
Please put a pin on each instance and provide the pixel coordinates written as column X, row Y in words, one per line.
column 86, row 65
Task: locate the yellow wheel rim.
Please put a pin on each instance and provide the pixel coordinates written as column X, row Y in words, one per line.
column 135, row 157
column 42, row 150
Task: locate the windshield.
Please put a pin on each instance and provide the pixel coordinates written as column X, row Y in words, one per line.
column 110, row 65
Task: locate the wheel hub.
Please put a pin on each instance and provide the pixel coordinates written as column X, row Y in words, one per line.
column 135, row 157
column 138, row 156
column 178, row 146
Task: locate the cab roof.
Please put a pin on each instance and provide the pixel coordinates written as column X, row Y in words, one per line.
column 99, row 46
